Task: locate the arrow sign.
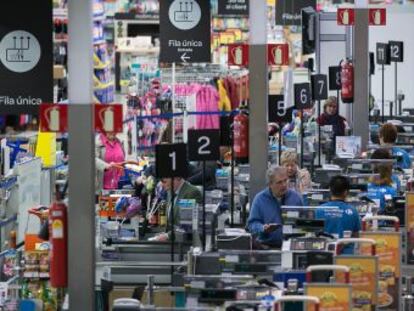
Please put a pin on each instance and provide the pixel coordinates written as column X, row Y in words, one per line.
column 184, row 57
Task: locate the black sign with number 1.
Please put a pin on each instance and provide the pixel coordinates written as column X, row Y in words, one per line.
column 204, row 145
column 171, row 160
column 319, row 87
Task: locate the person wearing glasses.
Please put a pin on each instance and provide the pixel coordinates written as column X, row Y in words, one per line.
column 265, row 219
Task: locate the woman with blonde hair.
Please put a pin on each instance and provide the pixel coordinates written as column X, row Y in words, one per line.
column 299, row 179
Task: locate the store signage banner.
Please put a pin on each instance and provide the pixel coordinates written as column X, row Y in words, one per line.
column 290, row 12
column 54, row 118
column 185, row 31
column 238, row 55
column 377, row 17
column 108, row 118
column 26, row 56
column 363, row 277
column 389, row 257
column 278, row 54
column 233, row 7
column 336, row 297
column 345, row 17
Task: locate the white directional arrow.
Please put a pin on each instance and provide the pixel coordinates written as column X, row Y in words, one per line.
column 184, row 57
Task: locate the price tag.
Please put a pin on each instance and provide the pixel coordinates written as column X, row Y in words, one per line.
column 204, row 145
column 303, row 96
column 278, row 113
column 319, row 87
column 335, row 78
column 171, row 160
column 383, row 54
column 396, row 51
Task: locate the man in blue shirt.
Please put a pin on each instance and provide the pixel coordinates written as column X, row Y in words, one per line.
column 265, row 219
column 346, row 217
column 388, row 134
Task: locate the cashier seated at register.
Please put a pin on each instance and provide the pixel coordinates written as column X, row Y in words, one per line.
column 183, row 191
column 265, row 219
column 344, row 219
column 388, row 134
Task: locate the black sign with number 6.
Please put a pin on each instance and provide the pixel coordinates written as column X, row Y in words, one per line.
column 204, row 145
column 335, row 78
column 396, row 51
column 171, row 160
column 303, row 96
column 278, row 113
column 383, row 54
column 319, row 87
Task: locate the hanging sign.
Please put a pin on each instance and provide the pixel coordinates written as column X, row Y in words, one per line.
column 278, row 54
column 396, row 51
column 345, row 16
column 233, row 7
column 303, row 96
column 108, row 118
column 26, row 56
column 383, row 54
column 54, row 118
column 335, row 78
column 319, row 87
column 171, row 160
column 377, row 17
column 278, row 112
column 204, row 145
column 290, row 12
column 238, row 54
column 185, row 31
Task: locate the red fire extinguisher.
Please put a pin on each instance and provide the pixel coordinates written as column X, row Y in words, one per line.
column 58, row 237
column 241, row 137
column 347, row 81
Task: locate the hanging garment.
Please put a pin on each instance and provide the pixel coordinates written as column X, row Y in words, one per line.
column 112, row 153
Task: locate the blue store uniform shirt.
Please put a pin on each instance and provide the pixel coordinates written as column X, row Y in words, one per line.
column 345, row 218
column 404, row 162
column 378, row 192
column 266, row 209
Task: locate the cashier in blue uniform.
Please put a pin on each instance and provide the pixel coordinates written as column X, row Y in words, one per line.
column 265, row 219
column 388, row 134
column 345, row 217
column 383, row 185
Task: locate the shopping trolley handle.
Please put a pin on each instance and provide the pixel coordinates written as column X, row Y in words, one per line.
column 310, row 269
column 357, row 241
column 394, row 219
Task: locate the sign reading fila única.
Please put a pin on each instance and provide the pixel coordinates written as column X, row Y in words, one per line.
column 185, row 31
column 26, row 56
